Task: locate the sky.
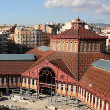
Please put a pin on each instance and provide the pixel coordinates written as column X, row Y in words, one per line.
column 30, row 12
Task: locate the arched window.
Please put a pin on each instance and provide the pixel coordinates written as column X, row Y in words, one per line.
column 85, row 46
column 97, row 46
column 10, row 81
column 75, row 46
column 71, row 46
column 58, row 45
column 31, row 82
column 93, row 46
column 26, row 81
column 18, row 81
column 53, row 44
column 63, row 45
column 89, row 46
column 14, row 81
column 66, row 45
column 0, row 81
column 81, row 46
column 4, row 81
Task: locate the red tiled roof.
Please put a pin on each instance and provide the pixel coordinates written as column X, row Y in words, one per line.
column 85, row 59
column 62, row 66
column 98, row 79
column 36, row 52
column 70, row 59
column 78, row 34
column 14, row 67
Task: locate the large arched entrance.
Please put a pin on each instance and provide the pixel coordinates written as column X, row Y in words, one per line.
column 47, row 80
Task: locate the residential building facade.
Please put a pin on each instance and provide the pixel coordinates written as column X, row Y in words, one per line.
column 106, row 32
column 29, row 37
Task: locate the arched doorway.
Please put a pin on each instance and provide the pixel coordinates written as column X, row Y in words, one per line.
column 47, row 80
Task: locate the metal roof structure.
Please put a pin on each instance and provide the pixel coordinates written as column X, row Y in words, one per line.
column 17, row 57
column 103, row 64
column 44, row 48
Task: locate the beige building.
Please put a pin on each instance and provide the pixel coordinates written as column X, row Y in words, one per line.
column 29, row 37
column 44, row 28
column 106, row 32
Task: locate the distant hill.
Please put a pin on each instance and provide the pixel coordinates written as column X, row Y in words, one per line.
column 102, row 25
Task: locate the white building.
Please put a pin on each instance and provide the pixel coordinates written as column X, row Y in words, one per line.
column 67, row 26
column 106, row 32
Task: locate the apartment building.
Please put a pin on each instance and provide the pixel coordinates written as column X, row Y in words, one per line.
column 29, row 37
column 44, row 28
column 4, row 36
column 106, row 32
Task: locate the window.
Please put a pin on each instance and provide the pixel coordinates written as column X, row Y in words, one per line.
column 93, row 46
column 59, row 87
column 64, row 88
column 4, row 81
column 0, row 81
column 35, row 83
column 66, row 45
column 89, row 46
column 97, row 46
column 23, row 81
column 58, row 45
column 84, row 46
column 45, row 28
column 13, row 81
column 71, row 46
column 80, row 46
column 63, row 45
column 9, row 81
column 18, row 81
column 31, row 82
column 69, row 89
column 27, row 81
column 53, row 44
column 75, row 46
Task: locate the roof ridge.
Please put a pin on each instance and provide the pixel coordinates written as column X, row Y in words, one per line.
column 68, row 68
column 39, row 60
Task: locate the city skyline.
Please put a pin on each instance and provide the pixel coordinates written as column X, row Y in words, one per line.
column 29, row 12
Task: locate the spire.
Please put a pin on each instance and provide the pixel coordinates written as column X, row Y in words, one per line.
column 78, row 19
column 78, row 24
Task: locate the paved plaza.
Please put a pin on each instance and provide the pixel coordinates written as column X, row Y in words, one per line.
column 44, row 102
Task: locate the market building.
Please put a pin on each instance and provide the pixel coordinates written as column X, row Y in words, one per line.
column 76, row 64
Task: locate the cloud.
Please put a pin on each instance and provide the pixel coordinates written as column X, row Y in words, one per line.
column 58, row 3
column 105, row 10
column 71, row 3
column 96, row 6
